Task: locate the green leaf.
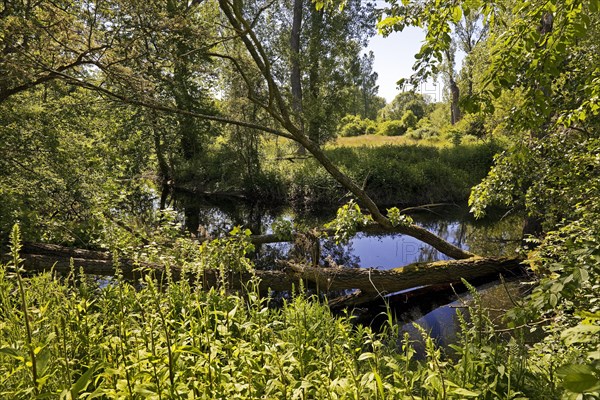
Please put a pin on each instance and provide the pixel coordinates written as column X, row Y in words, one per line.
column 465, row 393
column 42, row 360
column 9, row 352
column 582, row 333
column 82, row 382
column 366, row 356
column 579, row 378
column 553, row 300
column 231, row 314
column 379, row 385
column 144, row 392
column 389, row 22
column 501, row 370
column 456, row 14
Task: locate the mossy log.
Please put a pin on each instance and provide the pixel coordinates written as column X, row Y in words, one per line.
column 374, row 281
column 370, row 282
column 39, row 257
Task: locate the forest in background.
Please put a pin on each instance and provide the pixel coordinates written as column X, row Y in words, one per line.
column 107, row 107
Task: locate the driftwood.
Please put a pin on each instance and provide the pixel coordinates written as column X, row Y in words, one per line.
column 370, row 282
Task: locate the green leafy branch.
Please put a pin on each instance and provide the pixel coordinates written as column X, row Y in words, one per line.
column 347, row 221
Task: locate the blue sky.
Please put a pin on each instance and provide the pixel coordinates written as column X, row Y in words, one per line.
column 394, row 58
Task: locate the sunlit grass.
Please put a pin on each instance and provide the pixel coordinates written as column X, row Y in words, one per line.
column 378, row 140
column 283, row 147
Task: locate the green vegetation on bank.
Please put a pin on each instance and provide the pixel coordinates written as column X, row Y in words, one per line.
column 409, row 174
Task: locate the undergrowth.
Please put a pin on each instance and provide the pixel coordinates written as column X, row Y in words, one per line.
column 80, row 338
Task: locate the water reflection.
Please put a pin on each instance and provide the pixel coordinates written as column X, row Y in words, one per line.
column 453, row 224
column 442, row 323
column 487, row 238
column 218, row 216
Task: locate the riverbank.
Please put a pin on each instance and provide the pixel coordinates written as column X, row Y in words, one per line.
column 390, row 174
column 406, row 174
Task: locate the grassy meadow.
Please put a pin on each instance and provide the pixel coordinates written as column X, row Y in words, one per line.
column 375, row 140
column 392, row 174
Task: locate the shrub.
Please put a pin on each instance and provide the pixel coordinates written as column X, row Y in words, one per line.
column 470, row 127
column 409, row 119
column 353, row 125
column 392, row 128
column 423, row 133
column 371, row 127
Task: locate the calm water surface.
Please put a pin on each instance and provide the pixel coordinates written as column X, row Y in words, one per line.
column 454, row 224
column 387, row 251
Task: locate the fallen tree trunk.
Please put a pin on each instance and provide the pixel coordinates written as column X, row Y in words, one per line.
column 370, row 282
column 39, row 257
column 375, row 281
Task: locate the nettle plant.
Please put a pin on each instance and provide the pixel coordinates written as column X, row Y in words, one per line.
column 283, row 228
column 226, row 255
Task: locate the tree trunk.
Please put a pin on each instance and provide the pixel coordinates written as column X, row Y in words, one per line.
column 164, row 168
column 454, row 90
column 455, row 96
column 295, row 74
column 370, row 282
column 314, row 50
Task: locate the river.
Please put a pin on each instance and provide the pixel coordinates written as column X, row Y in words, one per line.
column 491, row 237
column 435, row 312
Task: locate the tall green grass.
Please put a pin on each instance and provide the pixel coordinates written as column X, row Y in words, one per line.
column 393, row 175
column 74, row 338
column 379, row 140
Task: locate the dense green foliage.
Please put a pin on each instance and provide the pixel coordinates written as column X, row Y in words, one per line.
column 395, row 119
column 65, row 160
column 353, row 125
column 540, row 90
column 392, row 128
column 396, row 174
column 104, row 104
column 404, row 102
column 79, row 338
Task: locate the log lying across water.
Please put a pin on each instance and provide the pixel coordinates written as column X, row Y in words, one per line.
column 370, row 282
column 39, row 257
